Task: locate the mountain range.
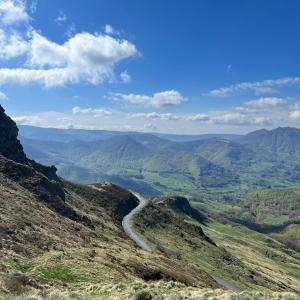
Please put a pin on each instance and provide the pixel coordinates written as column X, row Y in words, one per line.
column 155, row 165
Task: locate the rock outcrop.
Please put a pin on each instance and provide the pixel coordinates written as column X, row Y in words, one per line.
column 40, row 180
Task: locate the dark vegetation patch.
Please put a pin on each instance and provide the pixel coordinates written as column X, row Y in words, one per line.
column 117, row 201
column 182, row 205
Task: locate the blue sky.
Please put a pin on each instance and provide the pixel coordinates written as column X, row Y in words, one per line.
column 179, row 67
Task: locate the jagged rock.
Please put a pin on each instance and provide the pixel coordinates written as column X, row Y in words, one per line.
column 42, row 181
column 10, row 146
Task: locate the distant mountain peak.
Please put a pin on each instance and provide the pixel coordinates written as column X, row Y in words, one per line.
column 278, row 143
column 274, row 130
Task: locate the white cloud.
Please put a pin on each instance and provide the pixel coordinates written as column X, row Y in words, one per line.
column 61, row 18
column 160, row 99
column 198, row 117
column 156, row 116
column 13, row 12
column 95, row 111
column 229, row 118
column 29, row 120
column 265, row 90
column 232, row 118
column 43, row 52
column 108, row 29
column 244, row 86
column 261, row 121
column 11, row 45
column 245, row 110
column 152, row 115
column 295, row 115
column 84, row 57
column 171, row 117
column 150, row 126
column 12, row 42
column 266, row 102
column 3, row 96
column 125, row 77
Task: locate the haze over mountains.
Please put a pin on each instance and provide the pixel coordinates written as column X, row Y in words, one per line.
column 67, row 135
column 155, row 164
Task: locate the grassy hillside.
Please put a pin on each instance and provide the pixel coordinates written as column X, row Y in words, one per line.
column 243, row 257
column 272, row 211
column 70, row 243
column 59, row 236
column 279, row 143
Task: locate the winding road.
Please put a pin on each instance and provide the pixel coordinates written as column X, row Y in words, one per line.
column 126, row 223
column 127, row 226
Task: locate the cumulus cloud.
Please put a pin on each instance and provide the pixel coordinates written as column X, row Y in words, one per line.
column 3, row 96
column 158, row 100
column 13, row 12
column 266, row 102
column 125, row 77
column 254, row 86
column 12, row 45
column 29, row 120
column 12, row 42
column 84, row 57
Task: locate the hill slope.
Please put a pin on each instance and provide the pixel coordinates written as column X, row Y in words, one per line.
column 276, row 144
column 55, row 232
column 57, row 236
column 145, row 163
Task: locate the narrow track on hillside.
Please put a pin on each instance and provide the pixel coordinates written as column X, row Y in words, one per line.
column 127, row 220
column 127, row 226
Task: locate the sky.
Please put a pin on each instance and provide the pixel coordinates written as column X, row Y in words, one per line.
column 197, row 66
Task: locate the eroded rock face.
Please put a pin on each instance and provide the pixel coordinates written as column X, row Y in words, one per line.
column 40, row 180
column 10, row 146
